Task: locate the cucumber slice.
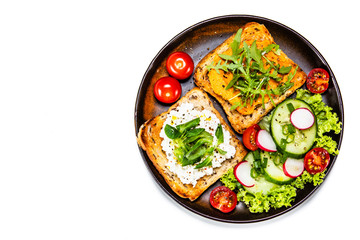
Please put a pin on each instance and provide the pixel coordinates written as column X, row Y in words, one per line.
column 261, row 184
column 297, row 143
column 273, row 173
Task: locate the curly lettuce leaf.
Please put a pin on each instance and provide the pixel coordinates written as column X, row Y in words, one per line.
column 327, row 120
column 257, row 203
column 229, row 180
column 306, row 177
column 327, row 143
column 280, row 196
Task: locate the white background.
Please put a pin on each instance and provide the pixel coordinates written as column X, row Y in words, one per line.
column 70, row 167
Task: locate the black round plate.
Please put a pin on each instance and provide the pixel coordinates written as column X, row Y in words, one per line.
column 197, row 41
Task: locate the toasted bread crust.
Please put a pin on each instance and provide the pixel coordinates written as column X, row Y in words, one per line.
column 149, row 139
column 238, row 121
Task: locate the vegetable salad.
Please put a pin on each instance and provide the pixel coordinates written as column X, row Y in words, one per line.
column 284, row 195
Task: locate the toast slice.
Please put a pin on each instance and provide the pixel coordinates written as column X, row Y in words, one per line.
column 212, row 81
column 149, row 140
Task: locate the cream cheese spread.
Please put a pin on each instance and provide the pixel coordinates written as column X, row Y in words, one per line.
column 209, row 121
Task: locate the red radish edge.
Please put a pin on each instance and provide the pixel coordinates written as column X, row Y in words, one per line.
column 264, row 141
column 242, row 174
column 301, row 119
column 293, row 167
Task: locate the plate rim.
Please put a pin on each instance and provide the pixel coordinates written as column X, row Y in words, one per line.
column 254, row 18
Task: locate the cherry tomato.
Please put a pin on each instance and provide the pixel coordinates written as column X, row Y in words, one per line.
column 167, row 90
column 180, row 65
column 316, row 160
column 223, row 198
column 318, row 80
column 249, row 137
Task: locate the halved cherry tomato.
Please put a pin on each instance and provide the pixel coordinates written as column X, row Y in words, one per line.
column 223, row 198
column 180, row 65
column 316, row 160
column 249, row 137
column 318, row 80
column 167, row 90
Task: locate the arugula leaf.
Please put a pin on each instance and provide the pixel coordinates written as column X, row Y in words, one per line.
column 233, row 81
column 220, row 66
column 256, row 55
column 282, row 88
column 291, row 75
column 269, row 48
column 285, row 70
column 274, row 75
column 235, row 45
column 228, row 57
column 235, row 106
column 251, row 71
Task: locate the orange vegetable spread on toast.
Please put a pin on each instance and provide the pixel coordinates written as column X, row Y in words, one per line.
column 276, row 70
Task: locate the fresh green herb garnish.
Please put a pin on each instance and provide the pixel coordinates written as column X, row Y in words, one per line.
column 171, row 132
column 251, row 74
column 290, row 107
column 285, row 70
column 206, row 162
column 194, row 144
column 188, row 125
column 219, row 134
column 259, row 165
column 194, row 132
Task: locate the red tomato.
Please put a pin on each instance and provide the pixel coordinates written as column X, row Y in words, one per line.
column 249, row 137
column 318, row 80
column 316, row 160
column 180, row 65
column 167, row 90
column 223, row 198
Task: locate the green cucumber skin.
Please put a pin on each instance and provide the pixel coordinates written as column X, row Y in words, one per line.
column 272, row 180
column 261, row 184
column 314, row 128
column 275, row 177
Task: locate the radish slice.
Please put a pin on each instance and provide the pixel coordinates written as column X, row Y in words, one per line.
column 293, row 167
column 302, row 118
column 265, row 141
column 242, row 174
